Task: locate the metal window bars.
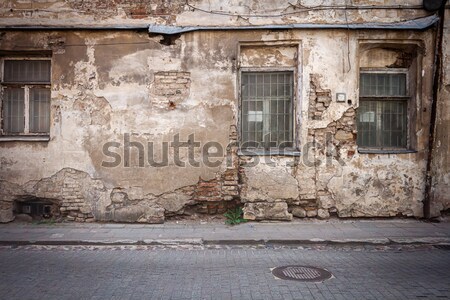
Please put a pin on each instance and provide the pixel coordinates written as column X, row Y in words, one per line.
column 267, row 109
column 383, row 110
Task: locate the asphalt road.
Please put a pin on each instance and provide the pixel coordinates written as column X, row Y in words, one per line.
column 144, row 272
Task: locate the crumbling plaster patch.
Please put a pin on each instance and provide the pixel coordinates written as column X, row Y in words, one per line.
column 222, row 94
column 94, row 111
column 268, row 56
column 319, row 99
column 86, row 76
column 384, row 191
column 267, row 211
column 77, row 194
column 82, row 198
column 269, row 183
column 130, row 68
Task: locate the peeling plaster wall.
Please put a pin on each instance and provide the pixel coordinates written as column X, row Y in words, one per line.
column 441, row 162
column 128, row 86
column 106, row 86
column 342, row 181
column 196, row 12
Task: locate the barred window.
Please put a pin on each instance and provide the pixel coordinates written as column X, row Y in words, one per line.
column 267, row 109
column 26, row 96
column 383, row 109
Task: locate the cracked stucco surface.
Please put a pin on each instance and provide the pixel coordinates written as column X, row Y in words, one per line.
column 106, row 84
column 441, row 165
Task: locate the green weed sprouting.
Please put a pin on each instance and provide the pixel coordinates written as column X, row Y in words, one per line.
column 234, row 216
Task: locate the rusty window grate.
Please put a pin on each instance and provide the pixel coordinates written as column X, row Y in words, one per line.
column 267, row 109
column 382, row 84
column 383, row 110
column 26, row 96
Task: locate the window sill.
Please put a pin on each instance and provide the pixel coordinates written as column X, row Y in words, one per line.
column 247, row 152
column 386, row 151
column 25, row 138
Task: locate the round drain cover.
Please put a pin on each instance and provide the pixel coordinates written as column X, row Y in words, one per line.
column 301, row 273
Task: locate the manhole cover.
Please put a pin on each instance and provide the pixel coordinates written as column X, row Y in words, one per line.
column 301, row 273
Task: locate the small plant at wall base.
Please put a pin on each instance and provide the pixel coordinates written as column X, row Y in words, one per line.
column 234, row 216
column 45, row 222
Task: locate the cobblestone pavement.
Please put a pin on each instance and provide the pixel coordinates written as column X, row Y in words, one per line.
column 220, row 272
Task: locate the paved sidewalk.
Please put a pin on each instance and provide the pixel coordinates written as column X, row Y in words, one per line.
column 398, row 231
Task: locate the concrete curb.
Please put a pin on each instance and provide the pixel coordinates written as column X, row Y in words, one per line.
column 230, row 242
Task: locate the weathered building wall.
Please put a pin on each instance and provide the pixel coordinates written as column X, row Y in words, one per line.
column 117, row 88
column 107, row 87
column 202, row 12
column 351, row 184
column 440, row 171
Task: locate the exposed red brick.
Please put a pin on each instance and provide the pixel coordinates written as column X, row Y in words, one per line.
column 139, row 13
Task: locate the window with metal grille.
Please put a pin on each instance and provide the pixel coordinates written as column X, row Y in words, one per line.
column 383, row 109
column 267, row 110
column 26, row 96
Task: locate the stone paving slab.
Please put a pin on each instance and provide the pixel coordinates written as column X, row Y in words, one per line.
column 357, row 231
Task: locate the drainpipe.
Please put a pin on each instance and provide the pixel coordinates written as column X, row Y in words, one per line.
column 433, row 113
